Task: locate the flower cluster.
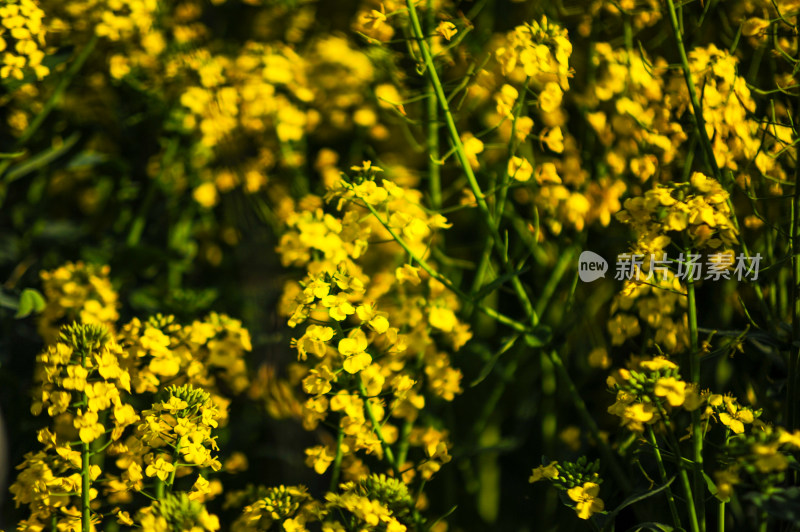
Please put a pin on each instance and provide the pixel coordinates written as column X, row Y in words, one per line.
column 370, row 325
column 695, row 216
column 77, row 292
column 81, row 380
column 580, row 480
column 22, row 33
column 646, row 393
column 209, row 353
column 176, row 512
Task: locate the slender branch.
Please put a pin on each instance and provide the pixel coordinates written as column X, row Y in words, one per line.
column 697, row 115
column 464, row 161
column 673, row 509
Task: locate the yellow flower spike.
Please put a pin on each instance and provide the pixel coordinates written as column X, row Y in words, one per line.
column 585, row 497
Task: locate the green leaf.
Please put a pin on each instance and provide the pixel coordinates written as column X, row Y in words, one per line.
column 41, row 159
column 712, row 488
column 30, row 301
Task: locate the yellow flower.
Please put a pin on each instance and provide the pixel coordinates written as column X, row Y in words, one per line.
column 544, row 472
column 598, row 358
column 76, row 379
column 446, row 29
column 736, row 416
column 124, row 518
column 160, row 468
column 472, row 147
column 338, row 306
column 88, row 427
column 520, row 169
column 550, row 98
column 319, row 457
column 554, row 139
column 671, row 388
column 408, row 273
column 206, row 195
column 354, row 349
column 768, row 458
column 658, row 363
column 585, row 497
column 442, row 318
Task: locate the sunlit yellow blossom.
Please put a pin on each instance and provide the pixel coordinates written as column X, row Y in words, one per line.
column 585, row 497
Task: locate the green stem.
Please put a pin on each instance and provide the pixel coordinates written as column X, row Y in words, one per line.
column 682, row 474
column 86, row 479
column 673, row 509
column 794, row 246
column 697, row 427
column 519, row 290
column 337, row 461
column 721, row 517
column 697, row 115
column 376, row 427
column 175, row 456
column 492, row 313
column 69, row 75
column 465, row 165
column 434, row 173
column 402, row 449
column 588, row 420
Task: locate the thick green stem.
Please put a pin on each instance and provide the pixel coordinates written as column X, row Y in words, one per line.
column 86, row 486
column 673, row 509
